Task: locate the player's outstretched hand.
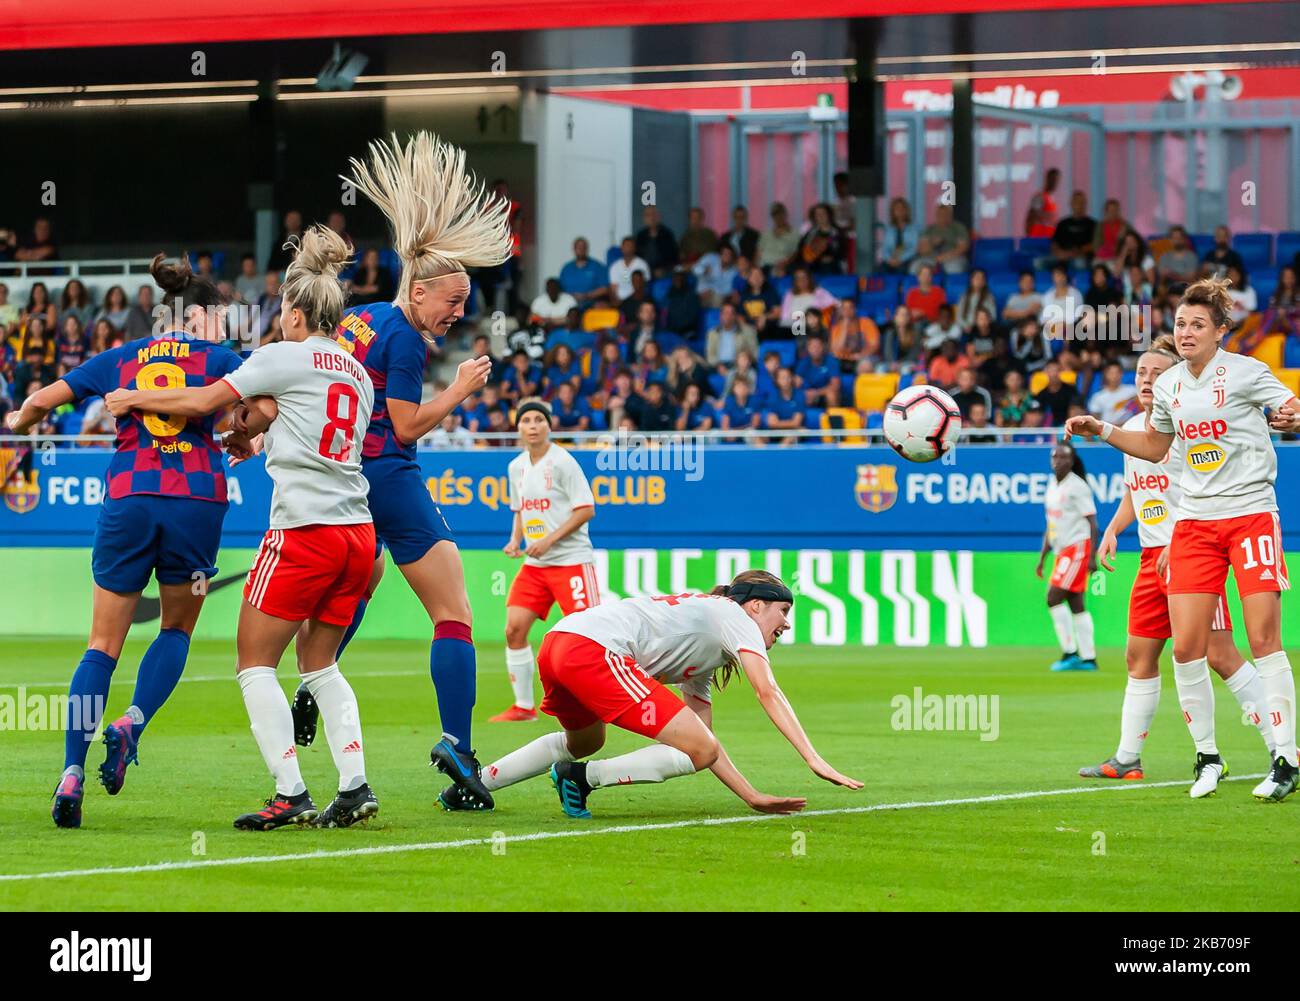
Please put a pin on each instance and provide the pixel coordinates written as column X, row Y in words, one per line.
column 1084, row 424
column 1106, row 551
column 472, row 374
column 764, row 803
column 118, row 402
column 823, row 770
column 1284, row 419
column 240, row 447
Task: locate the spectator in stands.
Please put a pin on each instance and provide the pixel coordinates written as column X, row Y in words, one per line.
column 715, row 276
column 742, row 237
column 372, row 282
column 803, row 297
column 1244, row 299
column 944, row 328
column 569, row 412
column 280, row 257
column 561, row 368
column 40, row 246
column 765, row 377
column 1281, row 317
column 115, row 309
column 1221, row 257
column 745, row 370
column 1177, row 265
column 509, row 272
column 778, row 245
column 974, row 422
column 338, row 222
column 604, row 368
column 582, row 277
column 924, row 257
column 729, row 338
column 817, row 374
column 1102, row 297
column 845, row 211
column 35, row 365
column 966, row 391
column 853, row 337
column 1014, row 402
column 450, row 434
column 655, row 243
column 248, row 283
column 739, row 410
column 39, row 304
column 1060, row 305
column 616, row 398
column 697, row 240
column 903, row 342
column 1110, row 231
column 993, row 370
column 140, row 318
column 9, row 314
column 685, row 367
column 759, row 302
column 1025, row 302
column 644, row 329
column 1029, row 346
column 1133, row 253
column 652, row 409
column 693, row 413
column 980, row 341
column 37, row 331
column 650, row 366
column 925, row 297
column 784, row 410
column 75, row 301
column 1041, row 217
column 1057, row 396
column 976, row 297
column 1137, row 287
column 71, row 348
column 1115, row 401
column 522, row 379
column 629, row 309
column 103, row 337
column 551, row 309
column 682, row 307
column 898, row 245
column 1075, row 239
column 621, row 271
column 821, row 248
column 203, row 265
column 946, row 364
column 949, row 240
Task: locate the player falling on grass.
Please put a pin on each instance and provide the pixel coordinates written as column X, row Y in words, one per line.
column 1153, row 500
column 552, row 503
column 162, row 518
column 1070, row 536
column 442, row 224
column 314, row 563
column 1214, row 403
column 609, row 664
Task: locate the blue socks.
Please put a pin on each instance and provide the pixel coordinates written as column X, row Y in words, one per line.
column 453, row 669
column 87, row 696
column 160, row 671
column 352, row 629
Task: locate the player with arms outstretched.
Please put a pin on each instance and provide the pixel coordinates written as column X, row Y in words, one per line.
column 611, row 664
column 552, row 504
column 1070, row 537
column 315, row 561
column 1214, row 403
column 162, row 518
column 1153, row 499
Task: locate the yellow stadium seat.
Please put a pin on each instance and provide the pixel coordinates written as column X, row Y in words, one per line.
column 1290, row 378
column 599, row 319
column 1269, row 350
column 1038, row 381
column 847, row 418
column 872, row 390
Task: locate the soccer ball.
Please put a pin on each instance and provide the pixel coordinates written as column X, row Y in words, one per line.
column 921, row 423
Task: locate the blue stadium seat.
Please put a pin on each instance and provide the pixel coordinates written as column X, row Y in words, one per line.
column 812, row 417
column 875, row 419
column 1265, row 284
column 1003, row 286
column 904, row 379
column 955, row 285
column 709, row 319
column 613, row 254
column 659, row 289
column 471, row 304
column 1256, row 250
column 599, row 420
column 1020, row 261
column 1291, row 353
column 1129, row 378
column 840, row 286
column 786, row 351
column 1034, row 246
column 992, row 253
column 717, row 382
column 388, row 258
column 846, row 386
column 1288, row 245
column 218, row 261
column 1202, row 242
column 782, row 284
column 873, row 303
column 879, row 284
column 668, row 341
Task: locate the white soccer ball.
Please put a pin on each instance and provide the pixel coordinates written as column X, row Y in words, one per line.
column 921, row 423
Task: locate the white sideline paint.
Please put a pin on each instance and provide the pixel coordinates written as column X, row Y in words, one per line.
column 590, row 832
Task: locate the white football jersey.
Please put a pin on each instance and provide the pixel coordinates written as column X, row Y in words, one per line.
column 313, row 447
column 1069, row 502
column 546, row 493
column 1155, row 490
column 677, row 639
column 1229, row 461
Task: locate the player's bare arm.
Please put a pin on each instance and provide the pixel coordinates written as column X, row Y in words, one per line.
column 729, row 775
column 1149, row 444
column 511, row 548
column 187, row 402
column 1124, row 517
column 1042, row 554
column 38, row 406
column 1093, row 533
column 413, row 421
column 759, row 674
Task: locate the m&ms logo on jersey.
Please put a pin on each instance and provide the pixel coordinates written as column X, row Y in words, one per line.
column 1153, row 512
column 1206, row 457
column 534, row 529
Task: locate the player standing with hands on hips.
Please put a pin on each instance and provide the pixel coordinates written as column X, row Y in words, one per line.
column 1213, row 402
column 552, row 503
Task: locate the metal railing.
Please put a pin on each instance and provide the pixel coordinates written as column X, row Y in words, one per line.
column 107, row 268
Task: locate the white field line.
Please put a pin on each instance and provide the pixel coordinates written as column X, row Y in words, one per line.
column 289, row 673
column 587, row 832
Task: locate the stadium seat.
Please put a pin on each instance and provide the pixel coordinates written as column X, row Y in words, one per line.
column 1034, row 246
column 659, row 289
column 668, row 341
column 1038, row 381
column 388, row 258
column 786, row 351
column 1203, row 243
column 843, row 417
column 599, row 420
column 599, row 319
column 612, row 255
column 992, row 253
column 1256, row 250
column 840, row 286
column 954, row 286
column 782, row 285
column 905, row 379
column 872, row 390
column 1291, row 353
column 1270, row 350
column 812, row 418
column 872, row 304
column 875, row 419
column 846, row 386
column 1288, row 245
column 709, row 319
column 1290, row 378
column 717, row 383
column 1129, row 378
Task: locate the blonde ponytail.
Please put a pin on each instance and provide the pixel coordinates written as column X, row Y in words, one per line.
column 311, row 282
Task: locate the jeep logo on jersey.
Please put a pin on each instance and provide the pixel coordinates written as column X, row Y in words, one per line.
column 1206, row 457
column 1152, row 481
column 1153, row 512
column 1205, row 429
column 537, row 504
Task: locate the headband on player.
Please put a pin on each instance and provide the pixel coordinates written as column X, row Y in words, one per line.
column 536, row 405
column 744, row 591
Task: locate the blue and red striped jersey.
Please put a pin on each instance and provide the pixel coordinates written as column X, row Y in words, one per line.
column 394, row 355
column 157, row 454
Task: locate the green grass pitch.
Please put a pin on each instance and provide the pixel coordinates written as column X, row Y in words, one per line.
column 1130, row 846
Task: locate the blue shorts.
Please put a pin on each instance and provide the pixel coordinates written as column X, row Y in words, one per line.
column 142, row 535
column 407, row 520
